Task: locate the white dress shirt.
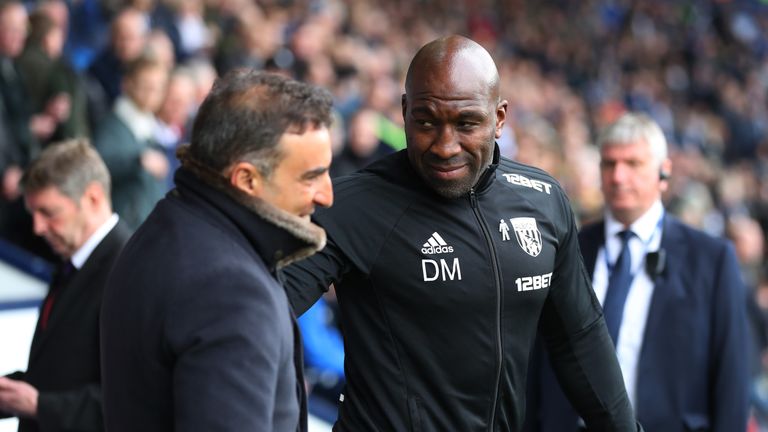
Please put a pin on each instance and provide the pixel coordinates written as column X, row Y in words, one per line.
column 647, row 238
column 81, row 255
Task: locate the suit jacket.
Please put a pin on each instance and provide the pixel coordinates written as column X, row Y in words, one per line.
column 692, row 371
column 64, row 358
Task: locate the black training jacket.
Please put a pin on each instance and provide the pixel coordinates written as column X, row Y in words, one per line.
column 441, row 298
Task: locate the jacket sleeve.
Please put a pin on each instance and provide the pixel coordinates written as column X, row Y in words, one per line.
column 79, row 409
column 308, row 279
column 580, row 349
column 730, row 375
column 226, row 345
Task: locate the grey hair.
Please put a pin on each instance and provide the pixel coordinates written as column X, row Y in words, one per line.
column 70, row 166
column 632, row 127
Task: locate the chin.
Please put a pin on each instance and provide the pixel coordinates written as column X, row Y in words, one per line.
column 450, row 189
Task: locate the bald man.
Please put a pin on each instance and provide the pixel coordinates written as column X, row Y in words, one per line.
column 446, row 258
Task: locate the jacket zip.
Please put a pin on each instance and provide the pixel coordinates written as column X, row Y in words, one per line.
column 497, row 280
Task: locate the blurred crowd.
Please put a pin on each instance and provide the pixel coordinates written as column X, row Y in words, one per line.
column 130, row 74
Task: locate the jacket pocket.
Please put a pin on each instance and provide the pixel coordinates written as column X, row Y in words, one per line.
column 414, row 411
column 696, row 422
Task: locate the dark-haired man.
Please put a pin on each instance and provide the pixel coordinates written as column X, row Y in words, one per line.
column 439, row 302
column 198, row 334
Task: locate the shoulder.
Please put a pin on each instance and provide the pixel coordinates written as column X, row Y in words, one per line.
column 698, row 246
column 508, row 165
column 111, row 125
column 382, row 189
column 694, row 237
column 539, row 191
column 521, row 175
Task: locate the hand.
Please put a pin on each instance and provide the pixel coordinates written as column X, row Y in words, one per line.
column 58, row 107
column 155, row 163
column 11, row 179
column 18, row 398
column 42, row 125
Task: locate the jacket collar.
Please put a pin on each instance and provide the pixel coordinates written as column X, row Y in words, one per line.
column 279, row 237
column 487, row 177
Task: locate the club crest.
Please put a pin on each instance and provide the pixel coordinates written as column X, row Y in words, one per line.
column 527, row 234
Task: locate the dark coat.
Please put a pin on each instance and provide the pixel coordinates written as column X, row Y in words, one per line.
column 64, row 358
column 693, row 366
column 198, row 333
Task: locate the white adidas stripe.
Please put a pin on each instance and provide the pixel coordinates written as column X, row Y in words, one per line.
column 435, row 240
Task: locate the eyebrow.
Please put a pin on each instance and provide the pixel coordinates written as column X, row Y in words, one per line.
column 472, row 115
column 308, row 175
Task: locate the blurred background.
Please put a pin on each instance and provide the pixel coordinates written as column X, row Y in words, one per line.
column 699, row 68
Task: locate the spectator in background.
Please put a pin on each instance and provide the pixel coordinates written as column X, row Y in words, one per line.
column 160, row 49
column 52, row 85
column 67, row 191
column 128, row 38
column 362, row 146
column 253, row 42
column 126, row 141
column 24, row 129
column 205, row 75
column 175, row 117
column 749, row 244
column 672, row 296
column 184, row 23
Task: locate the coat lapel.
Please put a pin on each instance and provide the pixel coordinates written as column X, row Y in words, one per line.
column 591, row 239
column 77, row 287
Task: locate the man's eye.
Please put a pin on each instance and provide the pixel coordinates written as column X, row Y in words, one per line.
column 424, row 123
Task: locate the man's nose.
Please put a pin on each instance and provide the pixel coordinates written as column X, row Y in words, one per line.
column 324, row 194
column 446, row 143
column 39, row 224
column 620, row 172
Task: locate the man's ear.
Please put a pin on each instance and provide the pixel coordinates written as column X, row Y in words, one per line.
column 94, row 196
column 245, row 177
column 664, row 172
column 501, row 117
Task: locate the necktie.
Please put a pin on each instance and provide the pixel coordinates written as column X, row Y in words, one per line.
column 618, row 287
column 63, row 275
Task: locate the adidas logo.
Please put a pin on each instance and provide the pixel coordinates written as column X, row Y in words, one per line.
column 436, row 245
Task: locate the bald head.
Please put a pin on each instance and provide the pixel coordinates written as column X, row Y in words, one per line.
column 452, row 113
column 454, row 59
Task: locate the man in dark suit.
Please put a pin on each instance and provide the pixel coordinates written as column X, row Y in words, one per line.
column 67, row 192
column 672, row 297
column 198, row 334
